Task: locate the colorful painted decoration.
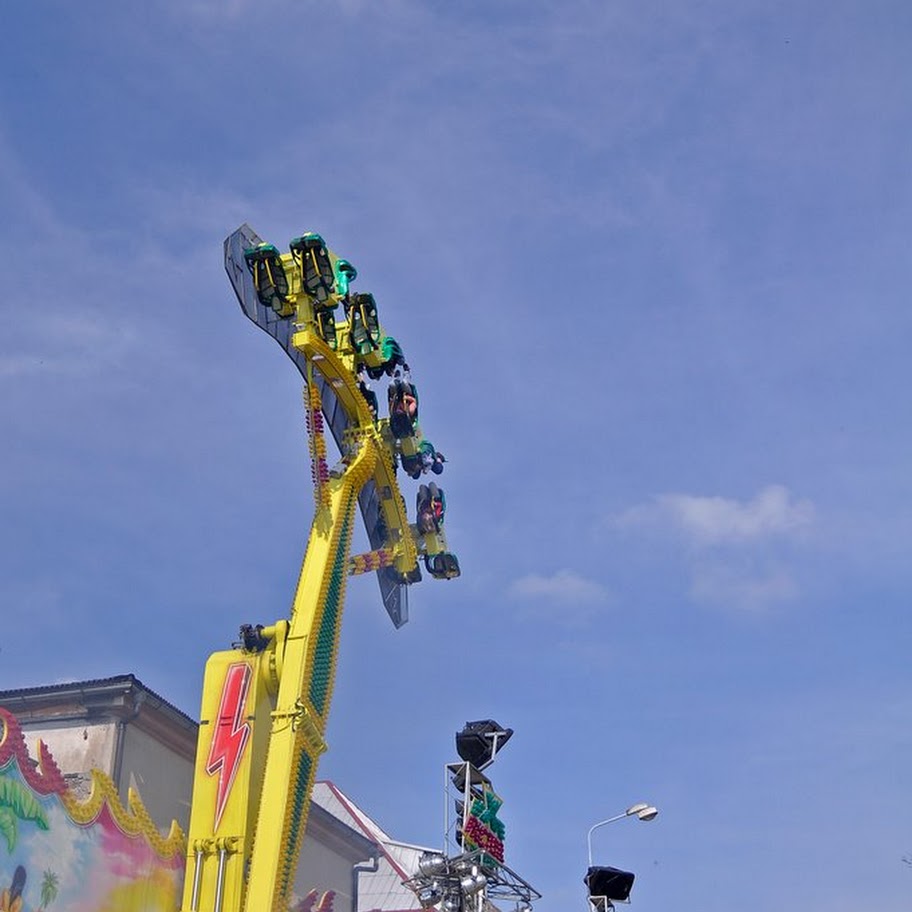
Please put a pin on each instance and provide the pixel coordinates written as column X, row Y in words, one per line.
column 58, row 852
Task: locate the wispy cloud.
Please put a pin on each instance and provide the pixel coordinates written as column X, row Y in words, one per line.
column 739, row 552
column 562, row 586
column 708, row 521
column 749, row 588
column 577, row 598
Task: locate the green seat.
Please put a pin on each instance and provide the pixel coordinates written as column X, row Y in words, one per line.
column 312, row 257
column 345, row 274
column 269, row 279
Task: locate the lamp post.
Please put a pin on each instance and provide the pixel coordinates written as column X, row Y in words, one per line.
column 603, row 883
column 640, row 811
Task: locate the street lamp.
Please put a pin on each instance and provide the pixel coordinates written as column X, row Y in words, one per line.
column 640, row 811
column 605, row 884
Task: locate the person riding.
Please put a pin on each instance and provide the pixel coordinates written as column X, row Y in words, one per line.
column 426, row 459
column 403, row 407
column 430, row 507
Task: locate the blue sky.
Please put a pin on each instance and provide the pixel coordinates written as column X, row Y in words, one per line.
column 650, row 265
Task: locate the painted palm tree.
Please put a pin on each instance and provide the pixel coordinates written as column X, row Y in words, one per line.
column 50, row 887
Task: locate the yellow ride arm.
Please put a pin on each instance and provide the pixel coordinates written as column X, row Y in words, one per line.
column 265, row 703
column 305, row 691
column 269, row 699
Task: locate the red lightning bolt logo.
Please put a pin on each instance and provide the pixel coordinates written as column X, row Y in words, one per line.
column 231, row 734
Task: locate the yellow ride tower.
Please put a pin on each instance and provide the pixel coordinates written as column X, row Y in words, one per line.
column 266, row 702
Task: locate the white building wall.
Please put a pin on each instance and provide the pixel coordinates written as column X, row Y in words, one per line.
column 77, row 747
column 163, row 778
column 148, row 751
column 321, row 869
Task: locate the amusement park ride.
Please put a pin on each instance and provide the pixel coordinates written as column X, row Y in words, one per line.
column 265, row 702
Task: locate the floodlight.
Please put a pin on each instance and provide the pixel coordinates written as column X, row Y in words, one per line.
column 472, row 883
column 430, row 896
column 480, row 741
column 608, row 882
column 430, row 864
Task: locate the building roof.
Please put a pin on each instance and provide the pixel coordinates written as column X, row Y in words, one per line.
column 380, row 890
column 119, row 699
column 27, row 699
column 338, row 819
column 336, row 834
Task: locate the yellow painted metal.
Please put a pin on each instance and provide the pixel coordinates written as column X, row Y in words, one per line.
column 233, row 740
column 305, row 690
column 263, row 718
column 265, row 704
column 342, row 379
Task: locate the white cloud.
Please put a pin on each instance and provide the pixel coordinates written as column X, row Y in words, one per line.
column 739, row 550
column 564, row 586
column 707, row 521
column 567, row 598
column 744, row 588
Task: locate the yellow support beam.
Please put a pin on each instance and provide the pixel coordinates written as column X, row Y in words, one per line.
column 305, row 691
column 265, row 704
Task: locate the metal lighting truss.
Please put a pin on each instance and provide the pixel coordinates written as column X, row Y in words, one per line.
column 448, row 883
column 463, row 782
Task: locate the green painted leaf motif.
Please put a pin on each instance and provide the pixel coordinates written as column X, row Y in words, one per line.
column 8, row 828
column 21, row 802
